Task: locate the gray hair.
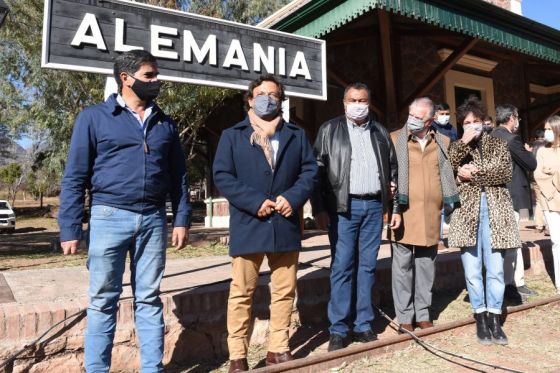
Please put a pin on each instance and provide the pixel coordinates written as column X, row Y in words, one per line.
column 504, row 112
column 425, row 102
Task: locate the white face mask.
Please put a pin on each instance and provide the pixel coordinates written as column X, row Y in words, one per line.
column 478, row 127
column 443, row 119
column 357, row 111
column 549, row 136
column 414, row 124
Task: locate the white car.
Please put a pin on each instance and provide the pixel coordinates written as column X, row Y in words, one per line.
column 7, row 217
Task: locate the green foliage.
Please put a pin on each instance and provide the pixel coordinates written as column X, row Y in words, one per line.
column 33, row 99
column 11, row 173
column 11, row 177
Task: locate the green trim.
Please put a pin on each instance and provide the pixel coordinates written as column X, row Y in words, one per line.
column 471, row 17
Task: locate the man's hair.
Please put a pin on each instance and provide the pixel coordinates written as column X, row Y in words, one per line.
column 504, row 112
column 130, row 62
column 442, row 106
column 539, row 134
column 554, row 122
column 471, row 105
column 358, row 86
column 257, row 82
column 424, row 101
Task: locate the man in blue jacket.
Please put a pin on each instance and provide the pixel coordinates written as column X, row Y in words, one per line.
column 265, row 168
column 128, row 153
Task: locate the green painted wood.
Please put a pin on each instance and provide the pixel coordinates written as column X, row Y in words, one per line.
column 474, row 18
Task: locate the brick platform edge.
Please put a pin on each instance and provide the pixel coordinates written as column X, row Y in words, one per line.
column 195, row 319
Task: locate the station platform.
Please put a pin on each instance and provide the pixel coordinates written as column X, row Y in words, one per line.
column 194, row 293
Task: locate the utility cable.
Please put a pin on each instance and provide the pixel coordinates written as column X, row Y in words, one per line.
column 425, row 345
column 434, row 350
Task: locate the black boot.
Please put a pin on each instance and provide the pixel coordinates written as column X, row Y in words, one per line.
column 482, row 331
column 498, row 335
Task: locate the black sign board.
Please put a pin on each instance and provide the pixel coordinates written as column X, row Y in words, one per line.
column 87, row 35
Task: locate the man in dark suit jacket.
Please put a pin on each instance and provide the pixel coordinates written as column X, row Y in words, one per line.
column 507, row 120
column 265, row 168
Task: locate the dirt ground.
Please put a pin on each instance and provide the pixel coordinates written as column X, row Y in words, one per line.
column 34, row 243
column 534, row 346
column 534, row 340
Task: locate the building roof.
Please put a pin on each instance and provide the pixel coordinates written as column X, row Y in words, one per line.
column 476, row 18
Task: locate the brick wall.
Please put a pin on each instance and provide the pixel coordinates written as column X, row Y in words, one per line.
column 195, row 319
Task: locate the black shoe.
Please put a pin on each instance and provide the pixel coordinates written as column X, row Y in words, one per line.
column 482, row 330
column 511, row 294
column 364, row 337
column 336, row 342
column 526, row 292
column 498, row 335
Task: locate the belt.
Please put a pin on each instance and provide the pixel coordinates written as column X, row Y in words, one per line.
column 368, row 196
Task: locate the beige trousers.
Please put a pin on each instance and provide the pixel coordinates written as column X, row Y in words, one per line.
column 245, row 273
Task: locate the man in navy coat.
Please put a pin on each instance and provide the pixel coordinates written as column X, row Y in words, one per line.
column 265, row 168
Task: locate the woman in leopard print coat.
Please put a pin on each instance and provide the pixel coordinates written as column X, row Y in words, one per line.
column 484, row 224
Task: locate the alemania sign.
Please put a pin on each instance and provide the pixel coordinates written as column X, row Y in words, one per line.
column 87, row 35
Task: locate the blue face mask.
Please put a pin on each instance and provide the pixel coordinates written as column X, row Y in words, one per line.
column 265, row 106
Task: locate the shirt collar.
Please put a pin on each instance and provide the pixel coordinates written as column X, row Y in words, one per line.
column 430, row 135
column 121, row 103
column 365, row 126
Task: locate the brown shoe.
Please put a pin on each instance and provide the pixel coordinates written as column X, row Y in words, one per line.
column 408, row 327
column 278, row 357
column 425, row 324
column 238, row 365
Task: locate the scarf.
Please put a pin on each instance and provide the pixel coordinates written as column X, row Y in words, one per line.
column 263, row 130
column 448, row 186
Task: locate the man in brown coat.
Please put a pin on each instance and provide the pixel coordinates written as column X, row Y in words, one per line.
column 426, row 182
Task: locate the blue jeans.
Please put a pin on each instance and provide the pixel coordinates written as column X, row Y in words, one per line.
column 114, row 232
column 473, row 259
column 361, row 225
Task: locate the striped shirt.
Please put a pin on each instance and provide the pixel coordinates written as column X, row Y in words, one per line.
column 364, row 173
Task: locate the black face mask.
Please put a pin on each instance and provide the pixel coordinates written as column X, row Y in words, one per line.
column 146, row 91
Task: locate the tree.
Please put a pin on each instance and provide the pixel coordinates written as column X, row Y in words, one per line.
column 37, row 99
column 11, row 176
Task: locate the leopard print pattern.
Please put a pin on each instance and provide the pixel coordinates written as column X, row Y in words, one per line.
column 495, row 170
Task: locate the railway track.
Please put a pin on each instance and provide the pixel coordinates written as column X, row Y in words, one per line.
column 326, row 361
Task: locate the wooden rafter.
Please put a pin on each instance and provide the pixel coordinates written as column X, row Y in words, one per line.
column 440, row 71
column 388, row 66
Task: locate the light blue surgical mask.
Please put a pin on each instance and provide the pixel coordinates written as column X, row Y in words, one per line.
column 443, row 119
column 265, row 106
column 414, row 124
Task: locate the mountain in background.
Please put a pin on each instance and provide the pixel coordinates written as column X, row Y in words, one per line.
column 11, row 152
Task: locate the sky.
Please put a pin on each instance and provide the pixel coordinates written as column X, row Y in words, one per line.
column 542, row 11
